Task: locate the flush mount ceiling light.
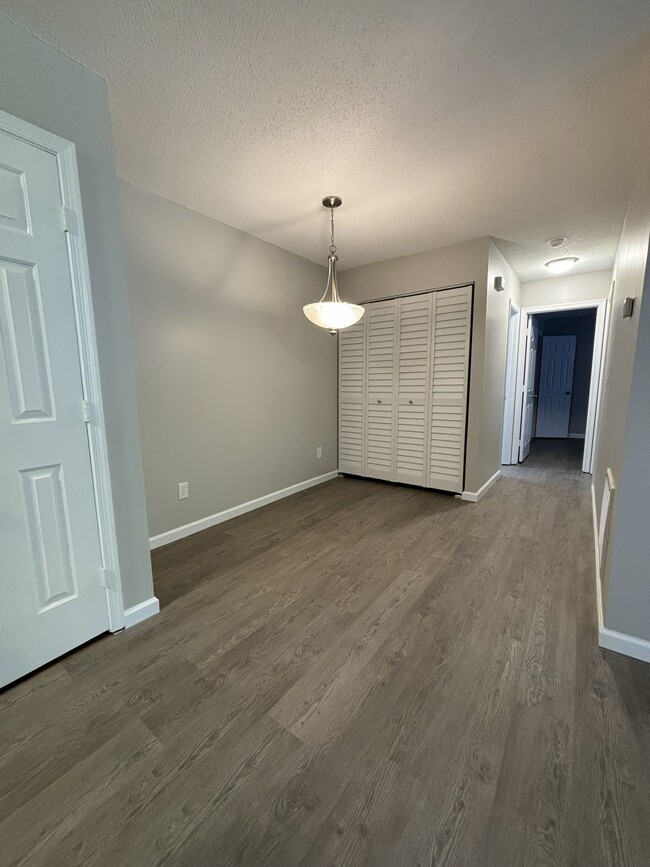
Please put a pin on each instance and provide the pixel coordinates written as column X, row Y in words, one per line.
column 560, row 266
column 333, row 314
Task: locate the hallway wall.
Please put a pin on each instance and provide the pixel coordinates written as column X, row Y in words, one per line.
column 628, row 597
column 568, row 287
column 622, row 434
column 629, row 272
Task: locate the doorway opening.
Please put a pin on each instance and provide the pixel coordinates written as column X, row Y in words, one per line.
column 553, row 379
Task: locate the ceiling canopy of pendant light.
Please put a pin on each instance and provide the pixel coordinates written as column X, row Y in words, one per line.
column 332, row 313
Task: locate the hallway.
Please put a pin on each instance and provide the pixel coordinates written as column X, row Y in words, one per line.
column 360, row 674
column 561, row 458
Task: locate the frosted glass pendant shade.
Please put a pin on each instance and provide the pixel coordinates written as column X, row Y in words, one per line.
column 333, row 314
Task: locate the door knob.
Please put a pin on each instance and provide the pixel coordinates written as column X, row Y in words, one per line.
column 378, row 401
column 567, row 392
column 410, row 401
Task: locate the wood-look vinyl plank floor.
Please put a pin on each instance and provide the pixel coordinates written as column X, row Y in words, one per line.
column 361, row 674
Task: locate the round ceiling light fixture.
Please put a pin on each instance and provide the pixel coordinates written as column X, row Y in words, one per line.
column 332, row 314
column 561, row 266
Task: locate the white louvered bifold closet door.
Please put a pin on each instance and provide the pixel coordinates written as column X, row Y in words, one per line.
column 413, row 379
column 381, row 388
column 451, row 327
column 403, row 386
column 352, row 398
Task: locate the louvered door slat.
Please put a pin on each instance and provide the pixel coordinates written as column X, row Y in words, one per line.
column 413, row 372
column 403, row 384
column 380, row 347
column 451, row 326
column 352, row 391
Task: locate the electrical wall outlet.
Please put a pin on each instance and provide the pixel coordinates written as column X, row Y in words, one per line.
column 183, row 490
column 319, row 452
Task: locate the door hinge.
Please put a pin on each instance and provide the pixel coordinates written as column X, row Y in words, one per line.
column 69, row 221
column 87, row 411
column 107, row 579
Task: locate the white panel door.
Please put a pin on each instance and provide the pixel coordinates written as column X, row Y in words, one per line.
column 51, row 588
column 555, row 386
column 352, row 398
column 381, row 332
column 451, row 330
column 529, row 396
column 413, row 368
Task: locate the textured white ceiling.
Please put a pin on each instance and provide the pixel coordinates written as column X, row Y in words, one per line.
column 436, row 122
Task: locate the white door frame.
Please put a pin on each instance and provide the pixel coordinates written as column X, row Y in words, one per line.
column 72, row 225
column 514, row 315
column 596, row 379
column 519, row 394
column 603, row 315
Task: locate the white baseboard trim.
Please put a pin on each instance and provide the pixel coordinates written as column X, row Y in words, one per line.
column 141, row 612
column 576, row 436
column 227, row 514
column 609, row 639
column 628, row 645
column 474, row 497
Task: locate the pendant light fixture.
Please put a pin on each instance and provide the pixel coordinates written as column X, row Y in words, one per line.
column 333, row 314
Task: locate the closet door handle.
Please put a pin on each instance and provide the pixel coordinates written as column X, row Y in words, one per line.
column 410, row 401
column 378, row 401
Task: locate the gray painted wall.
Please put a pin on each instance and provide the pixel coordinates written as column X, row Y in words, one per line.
column 45, row 88
column 623, row 431
column 446, row 266
column 593, row 286
column 628, row 597
column 236, row 389
column 475, row 261
column 629, row 271
column 583, row 327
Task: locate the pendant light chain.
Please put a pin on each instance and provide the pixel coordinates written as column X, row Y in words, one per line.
column 332, row 245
